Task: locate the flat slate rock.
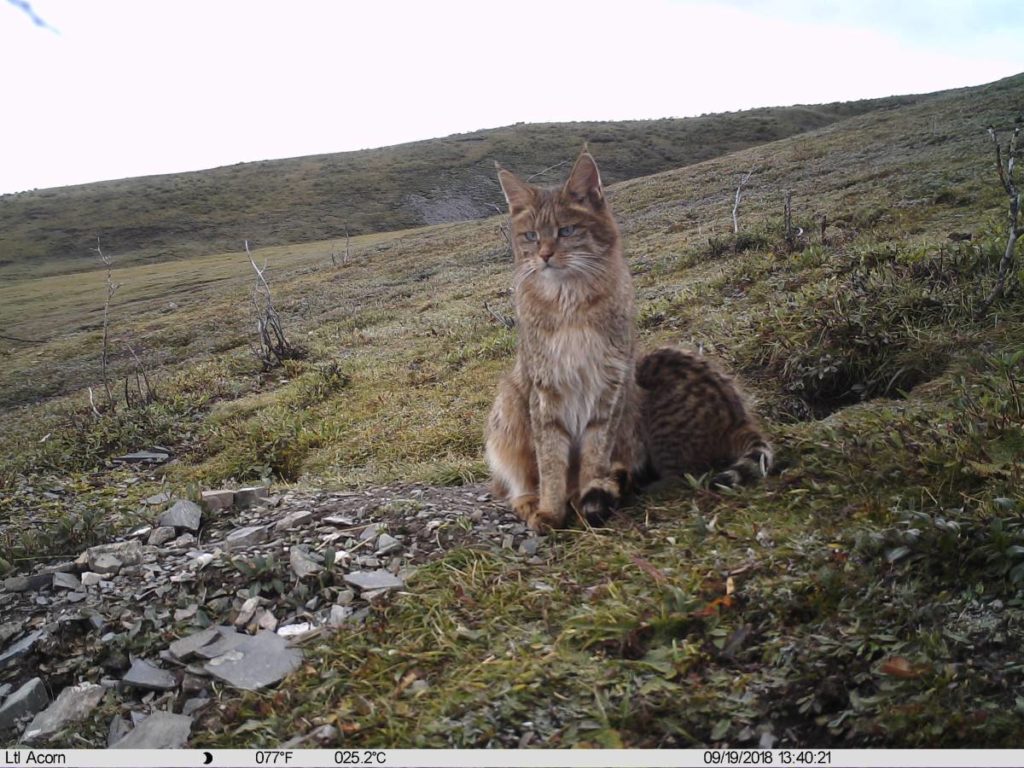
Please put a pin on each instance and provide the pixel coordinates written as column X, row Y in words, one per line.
column 182, row 514
column 117, row 730
column 184, row 648
column 66, row 581
column 143, row 457
column 374, row 580
column 27, row 700
column 123, row 552
column 302, row 564
column 73, row 704
column 247, row 497
column 106, row 564
column 161, row 730
column 21, row 647
column 247, row 611
column 246, row 537
column 216, row 639
column 218, row 500
column 161, row 535
column 145, row 675
column 28, row 583
column 10, row 629
column 293, row 520
column 227, row 640
column 257, row 661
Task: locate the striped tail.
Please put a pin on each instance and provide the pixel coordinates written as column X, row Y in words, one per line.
column 753, row 464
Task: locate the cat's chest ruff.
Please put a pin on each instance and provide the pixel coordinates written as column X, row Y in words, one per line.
column 571, row 352
column 577, row 365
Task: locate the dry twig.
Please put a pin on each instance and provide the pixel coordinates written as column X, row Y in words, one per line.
column 505, row 320
column 505, row 228
column 1014, row 229
column 272, row 346
column 147, row 394
column 111, row 290
column 736, row 204
column 549, row 168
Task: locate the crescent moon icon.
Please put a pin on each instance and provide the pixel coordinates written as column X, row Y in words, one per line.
column 207, row 758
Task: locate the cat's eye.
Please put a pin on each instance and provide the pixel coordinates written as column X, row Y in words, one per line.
column 566, row 231
column 531, row 237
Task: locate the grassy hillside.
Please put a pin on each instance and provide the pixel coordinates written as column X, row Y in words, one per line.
column 869, row 594
column 277, row 202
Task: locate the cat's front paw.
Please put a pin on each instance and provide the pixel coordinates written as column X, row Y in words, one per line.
column 543, row 521
column 527, row 507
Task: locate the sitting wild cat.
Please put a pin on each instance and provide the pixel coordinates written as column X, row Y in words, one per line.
column 564, row 425
column 575, row 420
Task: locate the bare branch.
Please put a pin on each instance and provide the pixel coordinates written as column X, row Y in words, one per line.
column 146, row 391
column 1014, row 228
column 505, row 228
column 92, row 404
column 999, row 160
column 736, row 204
column 787, row 218
column 505, row 320
column 273, row 346
column 549, row 168
column 111, row 290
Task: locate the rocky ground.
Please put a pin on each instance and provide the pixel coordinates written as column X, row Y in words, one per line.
column 216, row 596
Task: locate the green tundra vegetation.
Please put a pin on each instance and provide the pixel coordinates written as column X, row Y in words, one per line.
column 868, row 594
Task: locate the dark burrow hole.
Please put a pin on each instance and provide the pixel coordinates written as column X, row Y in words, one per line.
column 810, row 400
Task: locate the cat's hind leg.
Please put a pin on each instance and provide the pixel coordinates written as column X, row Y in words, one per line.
column 509, row 448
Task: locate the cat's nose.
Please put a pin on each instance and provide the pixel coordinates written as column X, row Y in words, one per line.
column 546, row 254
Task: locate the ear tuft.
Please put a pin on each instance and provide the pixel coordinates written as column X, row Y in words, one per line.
column 518, row 194
column 585, row 180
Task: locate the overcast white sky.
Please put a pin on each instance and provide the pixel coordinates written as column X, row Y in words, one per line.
column 137, row 87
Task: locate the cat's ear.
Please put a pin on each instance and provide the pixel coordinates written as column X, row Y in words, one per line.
column 585, row 180
column 518, row 194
